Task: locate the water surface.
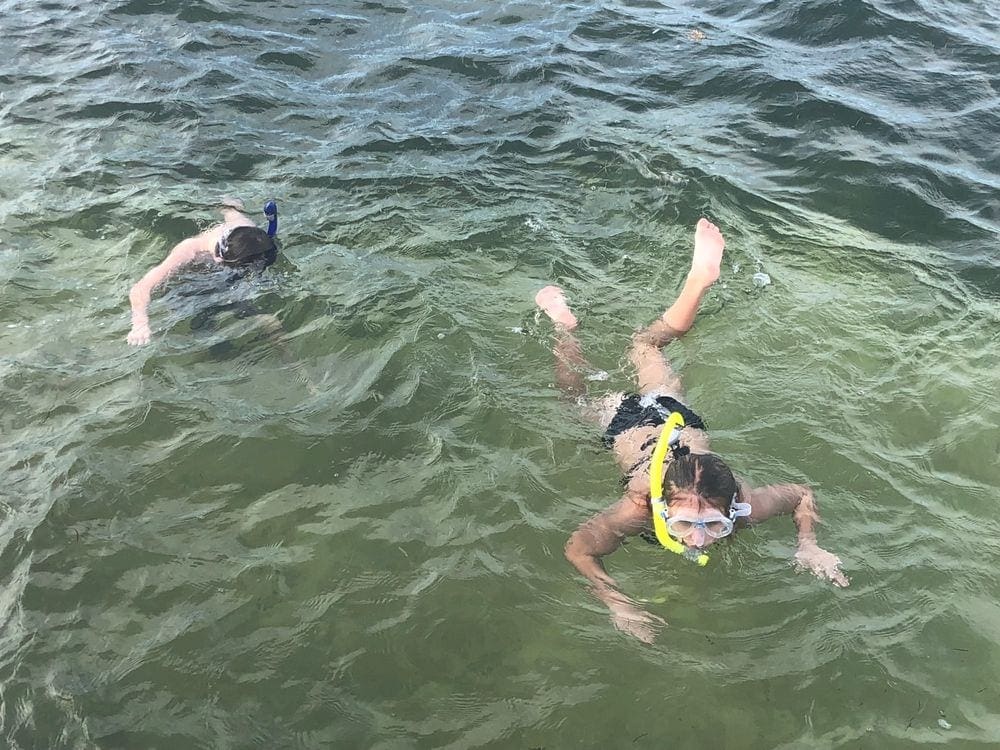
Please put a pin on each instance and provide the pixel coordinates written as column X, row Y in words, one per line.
column 349, row 534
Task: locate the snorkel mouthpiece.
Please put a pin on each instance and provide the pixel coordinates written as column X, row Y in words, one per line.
column 271, row 212
column 669, row 437
column 695, row 556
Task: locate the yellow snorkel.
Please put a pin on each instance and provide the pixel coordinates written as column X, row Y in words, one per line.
column 668, row 437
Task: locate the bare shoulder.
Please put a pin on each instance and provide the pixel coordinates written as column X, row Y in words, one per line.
column 629, row 515
column 184, row 252
column 772, row 500
column 208, row 239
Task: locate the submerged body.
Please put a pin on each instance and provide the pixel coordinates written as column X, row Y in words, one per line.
column 703, row 500
column 237, row 241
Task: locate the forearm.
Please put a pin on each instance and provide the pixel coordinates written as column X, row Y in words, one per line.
column 810, row 555
column 591, row 567
column 599, row 537
column 799, row 501
column 142, row 291
column 603, row 586
column 806, row 518
column 586, row 549
column 139, row 299
column 184, row 252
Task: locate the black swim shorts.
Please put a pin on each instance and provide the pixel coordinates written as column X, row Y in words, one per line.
column 640, row 411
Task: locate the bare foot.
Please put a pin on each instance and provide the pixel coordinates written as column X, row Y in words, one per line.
column 553, row 303
column 708, row 247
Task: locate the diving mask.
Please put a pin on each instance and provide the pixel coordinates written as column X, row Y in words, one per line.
column 717, row 526
column 222, row 245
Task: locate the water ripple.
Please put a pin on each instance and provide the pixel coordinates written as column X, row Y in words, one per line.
column 328, row 508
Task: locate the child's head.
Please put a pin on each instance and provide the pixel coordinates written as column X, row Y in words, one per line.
column 704, row 476
column 242, row 246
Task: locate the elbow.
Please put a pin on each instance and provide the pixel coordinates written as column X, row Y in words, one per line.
column 806, row 496
column 569, row 550
column 575, row 552
column 805, row 511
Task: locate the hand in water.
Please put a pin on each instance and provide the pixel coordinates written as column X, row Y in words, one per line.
column 139, row 335
column 636, row 622
column 821, row 564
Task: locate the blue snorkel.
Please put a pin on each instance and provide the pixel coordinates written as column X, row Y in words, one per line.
column 271, row 212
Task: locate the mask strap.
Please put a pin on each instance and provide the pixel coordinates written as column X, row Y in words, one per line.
column 738, row 509
column 223, row 244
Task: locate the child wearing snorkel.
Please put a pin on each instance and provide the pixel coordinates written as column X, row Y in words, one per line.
column 236, row 242
column 677, row 493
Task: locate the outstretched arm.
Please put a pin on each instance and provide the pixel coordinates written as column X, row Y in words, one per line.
column 183, row 253
column 799, row 500
column 599, row 536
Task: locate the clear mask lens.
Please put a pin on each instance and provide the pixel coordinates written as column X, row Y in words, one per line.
column 715, row 527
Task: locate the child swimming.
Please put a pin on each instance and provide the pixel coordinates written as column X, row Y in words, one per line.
column 696, row 499
column 236, row 242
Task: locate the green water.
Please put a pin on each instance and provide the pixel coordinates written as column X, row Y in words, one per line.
column 350, row 534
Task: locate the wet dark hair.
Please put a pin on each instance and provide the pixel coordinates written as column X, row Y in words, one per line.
column 706, row 475
column 246, row 245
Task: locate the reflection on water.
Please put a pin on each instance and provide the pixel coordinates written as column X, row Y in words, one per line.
column 328, row 509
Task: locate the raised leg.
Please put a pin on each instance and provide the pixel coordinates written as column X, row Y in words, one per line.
column 570, row 362
column 653, row 372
